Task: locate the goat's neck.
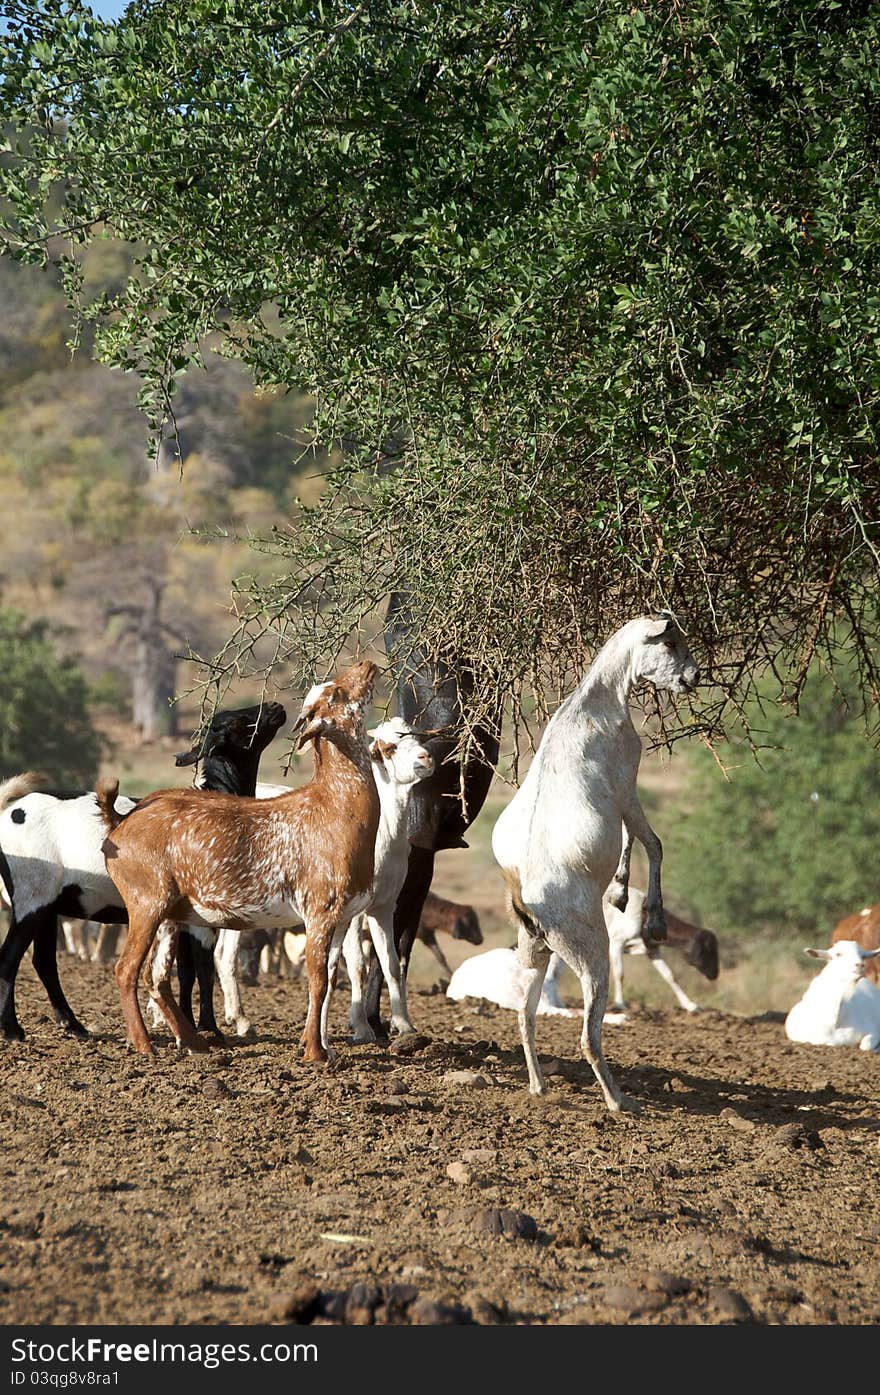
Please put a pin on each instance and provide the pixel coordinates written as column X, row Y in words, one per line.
column 342, row 759
column 393, row 814
column 225, row 777
column 603, row 693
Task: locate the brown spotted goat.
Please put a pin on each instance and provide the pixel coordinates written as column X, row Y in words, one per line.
column 864, row 928
column 222, row 860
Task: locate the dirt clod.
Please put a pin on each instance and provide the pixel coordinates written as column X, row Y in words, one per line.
column 513, row 1225
column 729, row 1305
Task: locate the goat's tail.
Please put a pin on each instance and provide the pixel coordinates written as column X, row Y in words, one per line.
column 526, row 920
column 105, row 793
column 20, row 785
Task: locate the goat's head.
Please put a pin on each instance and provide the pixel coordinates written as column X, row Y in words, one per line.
column 339, row 704
column 243, row 729
column 703, row 953
column 397, row 748
column 466, row 926
column 662, row 654
column 845, row 960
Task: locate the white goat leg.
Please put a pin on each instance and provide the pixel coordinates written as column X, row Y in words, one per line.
column 353, row 953
column 665, row 973
column 380, row 922
column 534, row 956
column 226, row 963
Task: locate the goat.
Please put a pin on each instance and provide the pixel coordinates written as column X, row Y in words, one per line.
column 498, row 976
column 559, row 842
column 223, row 952
column 840, row 1007
column 51, row 862
column 215, row 860
column 430, row 698
column 458, row 921
column 864, row 927
column 626, row 936
column 400, row 762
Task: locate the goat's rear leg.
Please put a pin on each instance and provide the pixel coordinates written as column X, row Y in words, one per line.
column 355, row 963
column 127, row 972
column 227, row 963
column 46, row 965
column 203, row 957
column 319, row 938
column 588, row 956
column 183, row 1030
column 534, row 956
column 162, row 1004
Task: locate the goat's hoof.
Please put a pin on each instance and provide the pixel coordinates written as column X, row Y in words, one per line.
column 211, row 1036
column 76, row 1029
column 625, row 1105
column 11, row 1031
column 404, row 1029
column 362, row 1038
column 245, row 1030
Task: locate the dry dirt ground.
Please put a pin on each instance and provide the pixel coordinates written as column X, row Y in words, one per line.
column 219, row 1188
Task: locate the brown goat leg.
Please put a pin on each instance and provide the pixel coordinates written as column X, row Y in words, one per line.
column 141, row 933
column 318, row 940
column 182, row 1029
column 438, row 955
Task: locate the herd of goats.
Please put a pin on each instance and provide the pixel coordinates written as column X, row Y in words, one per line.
column 346, row 862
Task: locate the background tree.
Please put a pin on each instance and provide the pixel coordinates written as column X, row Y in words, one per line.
column 606, row 275
column 44, row 720
column 790, row 843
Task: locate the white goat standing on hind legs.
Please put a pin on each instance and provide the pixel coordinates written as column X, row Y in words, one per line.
column 572, row 823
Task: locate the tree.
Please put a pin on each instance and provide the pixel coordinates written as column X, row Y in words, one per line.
column 588, row 292
column 44, row 720
column 790, row 843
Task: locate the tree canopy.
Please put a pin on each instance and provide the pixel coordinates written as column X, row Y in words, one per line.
column 588, row 293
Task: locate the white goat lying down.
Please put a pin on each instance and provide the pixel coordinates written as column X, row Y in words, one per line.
column 559, row 842
column 699, row 947
column 840, row 1007
column 498, row 977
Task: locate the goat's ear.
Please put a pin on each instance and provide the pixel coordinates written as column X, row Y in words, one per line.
column 316, row 727
column 818, row 953
column 375, row 751
column 187, row 757
column 663, row 625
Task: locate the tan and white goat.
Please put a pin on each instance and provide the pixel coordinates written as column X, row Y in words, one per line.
column 221, row 860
